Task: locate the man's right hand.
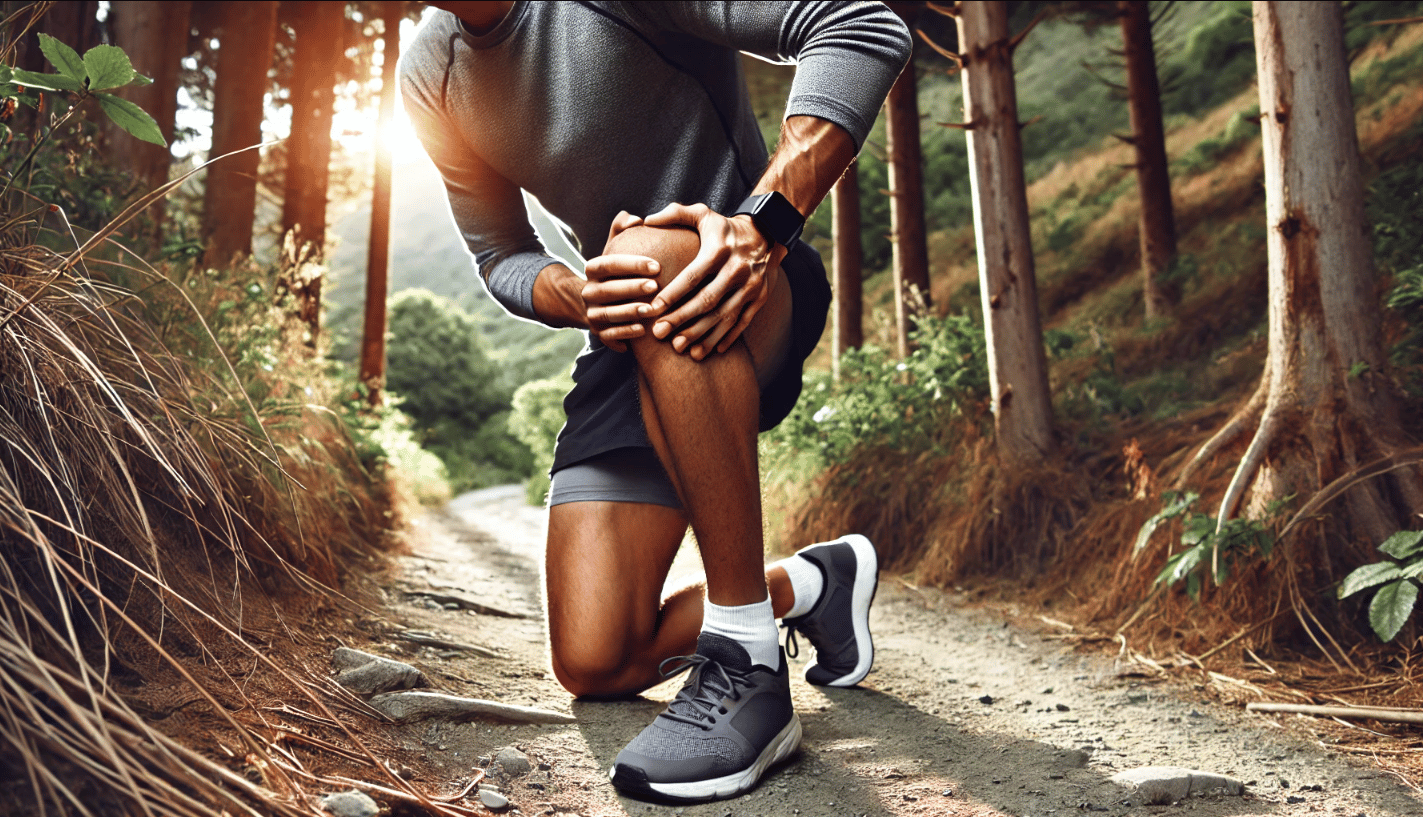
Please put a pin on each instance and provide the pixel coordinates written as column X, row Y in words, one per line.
column 617, row 291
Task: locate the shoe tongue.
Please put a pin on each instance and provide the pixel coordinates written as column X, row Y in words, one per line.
column 724, row 651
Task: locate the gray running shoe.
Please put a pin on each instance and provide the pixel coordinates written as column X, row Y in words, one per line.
column 729, row 723
column 839, row 624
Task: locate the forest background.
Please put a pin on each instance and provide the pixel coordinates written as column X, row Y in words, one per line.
column 250, row 461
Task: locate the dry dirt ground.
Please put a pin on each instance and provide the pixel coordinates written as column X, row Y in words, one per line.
column 963, row 714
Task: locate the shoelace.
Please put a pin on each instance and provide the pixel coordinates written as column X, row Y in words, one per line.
column 699, row 701
column 792, row 645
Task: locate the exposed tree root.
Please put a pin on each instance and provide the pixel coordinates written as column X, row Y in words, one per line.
column 1245, row 472
column 1242, row 420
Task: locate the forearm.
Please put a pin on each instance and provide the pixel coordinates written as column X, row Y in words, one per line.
column 558, row 298
column 811, row 157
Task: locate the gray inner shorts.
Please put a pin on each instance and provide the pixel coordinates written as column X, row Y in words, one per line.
column 620, row 475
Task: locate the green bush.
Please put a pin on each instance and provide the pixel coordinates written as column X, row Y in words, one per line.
column 455, row 395
column 879, row 401
column 1395, row 208
column 535, row 421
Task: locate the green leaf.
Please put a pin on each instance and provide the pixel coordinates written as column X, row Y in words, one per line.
column 140, row 80
column 1391, row 607
column 1174, row 506
column 64, row 58
column 108, row 67
column 46, row 82
column 1403, row 544
column 131, row 118
column 1369, row 576
column 1199, row 529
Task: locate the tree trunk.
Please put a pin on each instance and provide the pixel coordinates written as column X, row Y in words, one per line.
column 1017, row 364
column 378, row 257
column 155, row 37
column 1153, row 179
column 848, row 265
column 318, row 47
column 247, row 32
column 1326, row 405
column 906, row 187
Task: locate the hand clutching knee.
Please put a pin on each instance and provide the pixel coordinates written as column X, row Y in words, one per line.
column 706, row 307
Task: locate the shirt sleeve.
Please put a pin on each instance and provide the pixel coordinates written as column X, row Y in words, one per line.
column 847, row 54
column 488, row 209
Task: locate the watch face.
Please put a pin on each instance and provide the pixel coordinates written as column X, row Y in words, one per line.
column 774, row 216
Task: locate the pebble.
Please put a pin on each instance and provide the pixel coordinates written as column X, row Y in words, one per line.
column 1163, row 785
column 366, row 674
column 493, row 799
column 350, row 804
column 513, row 762
column 986, row 699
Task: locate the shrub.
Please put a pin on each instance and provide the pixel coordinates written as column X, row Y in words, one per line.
column 535, row 421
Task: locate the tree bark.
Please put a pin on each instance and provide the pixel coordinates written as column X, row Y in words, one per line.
column 910, row 252
column 378, row 255
column 1017, row 364
column 1329, row 405
column 1153, row 179
column 318, row 47
column 247, row 34
column 848, row 266
column 155, row 37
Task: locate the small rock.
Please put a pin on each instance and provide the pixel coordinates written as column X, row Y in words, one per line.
column 1163, row 785
column 1292, row 799
column 366, row 674
column 986, row 699
column 493, row 800
column 404, row 707
column 514, row 762
column 1063, row 708
column 350, row 804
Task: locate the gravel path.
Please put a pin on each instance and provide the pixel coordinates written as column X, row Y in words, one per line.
column 963, row 714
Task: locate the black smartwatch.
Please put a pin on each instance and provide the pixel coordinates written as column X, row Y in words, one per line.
column 774, row 216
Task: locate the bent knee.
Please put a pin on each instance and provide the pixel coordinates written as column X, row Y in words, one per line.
column 673, row 248
column 589, row 672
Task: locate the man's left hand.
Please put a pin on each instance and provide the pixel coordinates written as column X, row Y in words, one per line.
column 727, row 282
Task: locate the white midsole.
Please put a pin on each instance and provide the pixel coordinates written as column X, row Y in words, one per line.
column 777, row 750
column 860, row 600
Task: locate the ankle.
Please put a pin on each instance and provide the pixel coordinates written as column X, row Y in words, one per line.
column 750, row 625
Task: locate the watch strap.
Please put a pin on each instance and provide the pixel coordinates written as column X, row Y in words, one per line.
column 777, row 219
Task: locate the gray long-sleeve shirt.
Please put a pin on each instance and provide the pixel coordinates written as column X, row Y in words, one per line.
column 596, row 107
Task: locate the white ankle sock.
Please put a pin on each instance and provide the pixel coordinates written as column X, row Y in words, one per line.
column 807, row 581
column 753, row 626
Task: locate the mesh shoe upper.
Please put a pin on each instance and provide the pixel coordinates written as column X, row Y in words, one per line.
column 720, row 723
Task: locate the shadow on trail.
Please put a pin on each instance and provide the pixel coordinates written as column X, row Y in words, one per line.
column 869, row 753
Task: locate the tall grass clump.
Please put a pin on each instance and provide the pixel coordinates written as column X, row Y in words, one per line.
column 174, row 482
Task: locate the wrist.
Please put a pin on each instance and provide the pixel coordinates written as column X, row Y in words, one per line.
column 558, row 298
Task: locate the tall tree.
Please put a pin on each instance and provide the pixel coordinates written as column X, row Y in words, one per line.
column 1153, row 179
column 246, row 33
column 318, row 28
column 1017, row 364
column 378, row 256
column 848, row 266
column 1325, row 405
column 155, row 36
column 910, row 251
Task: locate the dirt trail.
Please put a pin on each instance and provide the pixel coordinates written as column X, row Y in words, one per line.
column 962, row 714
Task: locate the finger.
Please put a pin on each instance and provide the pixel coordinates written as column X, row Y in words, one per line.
column 691, row 336
column 687, row 215
column 711, row 256
column 618, row 290
column 622, row 221
column 735, row 332
column 621, row 265
column 616, row 314
column 727, row 283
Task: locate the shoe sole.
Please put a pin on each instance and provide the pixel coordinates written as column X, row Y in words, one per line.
column 863, row 595
column 718, row 788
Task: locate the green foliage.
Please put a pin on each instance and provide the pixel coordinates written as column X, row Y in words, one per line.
column 1241, row 128
column 103, row 68
column 1394, row 581
column 1216, row 63
column 1211, row 549
column 536, row 420
column 455, row 395
column 1395, row 208
column 882, row 402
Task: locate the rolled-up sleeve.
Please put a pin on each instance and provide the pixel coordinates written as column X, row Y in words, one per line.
column 488, row 209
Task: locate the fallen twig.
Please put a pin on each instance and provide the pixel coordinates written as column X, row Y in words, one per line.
column 1376, row 713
